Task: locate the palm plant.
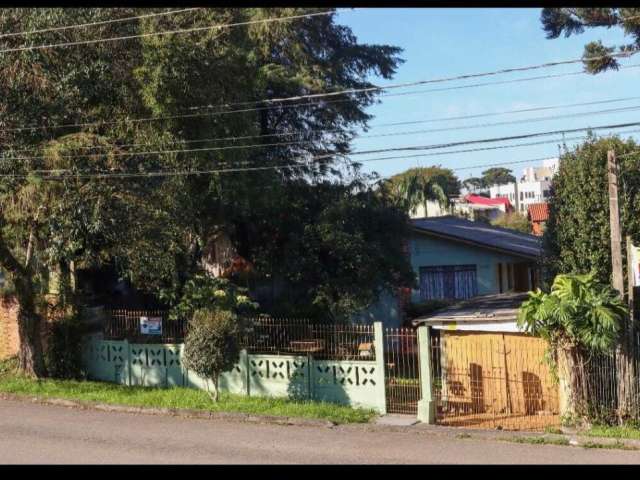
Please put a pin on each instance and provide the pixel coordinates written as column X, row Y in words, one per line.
column 578, row 317
column 415, row 190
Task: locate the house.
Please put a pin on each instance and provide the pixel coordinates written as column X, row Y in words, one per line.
column 455, row 258
column 538, row 214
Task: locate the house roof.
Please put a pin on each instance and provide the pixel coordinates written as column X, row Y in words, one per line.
column 538, row 212
column 479, row 312
column 481, row 234
column 495, row 202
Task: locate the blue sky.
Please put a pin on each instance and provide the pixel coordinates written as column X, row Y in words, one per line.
column 448, row 42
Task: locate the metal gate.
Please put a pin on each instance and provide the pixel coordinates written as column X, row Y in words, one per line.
column 492, row 380
column 402, row 372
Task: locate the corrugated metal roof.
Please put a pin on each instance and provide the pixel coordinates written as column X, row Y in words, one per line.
column 485, row 309
column 481, row 234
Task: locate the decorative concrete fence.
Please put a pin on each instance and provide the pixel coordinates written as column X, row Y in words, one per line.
column 359, row 383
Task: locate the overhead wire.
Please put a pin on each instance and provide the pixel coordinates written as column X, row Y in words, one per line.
column 95, row 24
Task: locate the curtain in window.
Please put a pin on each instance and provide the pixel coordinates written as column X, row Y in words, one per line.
column 448, row 281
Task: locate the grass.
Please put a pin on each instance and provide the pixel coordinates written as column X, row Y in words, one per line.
column 540, row 440
column 615, row 445
column 554, row 430
column 177, row 397
column 628, row 432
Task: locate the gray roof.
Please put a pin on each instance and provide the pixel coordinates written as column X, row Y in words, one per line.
column 481, row 234
column 501, row 307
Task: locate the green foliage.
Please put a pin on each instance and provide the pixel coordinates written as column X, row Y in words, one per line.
column 416, row 186
column 571, row 21
column 327, row 250
column 497, row 176
column 64, row 354
column 153, row 229
column 211, row 345
column 578, row 312
column 416, row 310
column 474, row 183
column 577, row 235
column 513, row 221
column 204, row 292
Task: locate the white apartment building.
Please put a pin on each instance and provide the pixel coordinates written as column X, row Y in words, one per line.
column 533, row 187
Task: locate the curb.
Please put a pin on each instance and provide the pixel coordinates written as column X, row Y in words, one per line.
column 172, row 412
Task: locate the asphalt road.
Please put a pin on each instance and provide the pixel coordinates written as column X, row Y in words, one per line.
column 35, row 434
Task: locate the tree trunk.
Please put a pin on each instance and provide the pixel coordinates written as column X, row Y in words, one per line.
column 30, row 354
column 571, row 379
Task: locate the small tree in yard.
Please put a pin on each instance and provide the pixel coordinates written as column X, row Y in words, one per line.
column 577, row 318
column 211, row 345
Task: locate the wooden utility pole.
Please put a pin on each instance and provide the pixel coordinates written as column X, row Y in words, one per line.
column 617, row 280
column 624, row 358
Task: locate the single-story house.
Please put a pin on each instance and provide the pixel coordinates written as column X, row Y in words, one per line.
column 458, row 259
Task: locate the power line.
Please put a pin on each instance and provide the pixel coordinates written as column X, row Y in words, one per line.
column 304, row 104
column 307, row 163
column 94, row 24
column 310, row 142
column 432, row 120
column 169, row 32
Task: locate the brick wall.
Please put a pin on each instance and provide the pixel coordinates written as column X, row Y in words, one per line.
column 9, row 342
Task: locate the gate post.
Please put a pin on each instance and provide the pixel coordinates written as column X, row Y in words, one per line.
column 426, row 405
column 378, row 348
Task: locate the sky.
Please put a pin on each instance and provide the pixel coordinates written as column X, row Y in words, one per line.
column 448, row 42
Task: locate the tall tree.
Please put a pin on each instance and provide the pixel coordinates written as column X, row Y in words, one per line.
column 577, row 237
column 497, row 176
column 571, row 21
column 154, row 228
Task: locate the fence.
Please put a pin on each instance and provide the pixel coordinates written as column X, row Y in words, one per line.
column 493, row 380
column 277, row 336
column 598, row 382
column 358, row 381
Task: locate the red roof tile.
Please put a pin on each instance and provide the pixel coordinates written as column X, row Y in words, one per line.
column 538, row 212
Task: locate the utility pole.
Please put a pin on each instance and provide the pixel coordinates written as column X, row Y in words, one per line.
column 614, row 222
column 515, row 190
column 624, row 357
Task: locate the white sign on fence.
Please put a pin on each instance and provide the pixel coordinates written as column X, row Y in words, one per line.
column 151, row 325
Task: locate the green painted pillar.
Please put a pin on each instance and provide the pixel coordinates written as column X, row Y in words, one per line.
column 378, row 345
column 244, row 365
column 426, row 405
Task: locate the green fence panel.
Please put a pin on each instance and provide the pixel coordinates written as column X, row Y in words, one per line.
column 278, row 376
column 355, row 383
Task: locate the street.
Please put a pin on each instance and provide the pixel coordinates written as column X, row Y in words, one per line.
column 36, row 434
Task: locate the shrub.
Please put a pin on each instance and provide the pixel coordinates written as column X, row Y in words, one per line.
column 64, row 348
column 211, row 345
column 204, row 292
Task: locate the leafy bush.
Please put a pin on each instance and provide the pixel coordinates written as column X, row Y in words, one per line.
column 211, row 345
column 210, row 293
column 64, row 348
column 416, row 310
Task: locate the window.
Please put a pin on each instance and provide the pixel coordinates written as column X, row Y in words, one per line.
column 521, row 196
column 448, row 281
column 545, row 193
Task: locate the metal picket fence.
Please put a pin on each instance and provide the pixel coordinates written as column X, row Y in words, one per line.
column 402, row 370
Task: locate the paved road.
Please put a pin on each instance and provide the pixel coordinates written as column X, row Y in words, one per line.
column 31, row 433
